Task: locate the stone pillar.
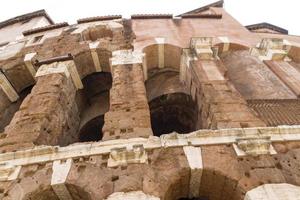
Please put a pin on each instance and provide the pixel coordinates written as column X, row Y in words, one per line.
column 60, row 173
column 129, row 114
column 49, row 115
column 220, row 104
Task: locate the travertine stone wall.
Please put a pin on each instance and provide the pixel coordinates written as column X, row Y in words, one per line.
column 220, row 104
column 48, row 116
column 129, row 114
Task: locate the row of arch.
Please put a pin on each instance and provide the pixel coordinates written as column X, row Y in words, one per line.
column 171, row 104
column 214, row 186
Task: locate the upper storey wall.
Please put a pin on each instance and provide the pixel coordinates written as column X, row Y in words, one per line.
column 12, row 32
column 179, row 31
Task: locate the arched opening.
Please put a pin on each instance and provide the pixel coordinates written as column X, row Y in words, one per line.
column 173, row 112
column 92, row 130
column 214, row 185
column 93, row 103
column 172, row 108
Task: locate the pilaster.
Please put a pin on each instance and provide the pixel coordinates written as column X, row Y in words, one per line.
column 129, row 114
column 49, row 115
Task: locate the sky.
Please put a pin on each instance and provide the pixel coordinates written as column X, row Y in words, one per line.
column 283, row 13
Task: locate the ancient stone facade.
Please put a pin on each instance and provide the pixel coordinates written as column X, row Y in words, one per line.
column 194, row 106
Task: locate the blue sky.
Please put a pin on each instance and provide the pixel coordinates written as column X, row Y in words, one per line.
column 281, row 13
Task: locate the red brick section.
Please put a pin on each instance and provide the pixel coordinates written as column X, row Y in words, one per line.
column 129, row 114
column 48, row 116
column 277, row 112
column 220, row 104
column 287, row 73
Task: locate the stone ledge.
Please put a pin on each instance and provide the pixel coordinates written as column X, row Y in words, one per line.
column 44, row 154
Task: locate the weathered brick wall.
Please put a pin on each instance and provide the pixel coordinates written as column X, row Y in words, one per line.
column 47, row 116
column 220, row 104
column 129, row 114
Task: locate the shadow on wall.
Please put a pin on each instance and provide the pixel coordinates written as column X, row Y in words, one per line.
column 173, row 112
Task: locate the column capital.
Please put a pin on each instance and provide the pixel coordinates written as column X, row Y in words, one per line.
column 124, row 57
column 202, row 46
column 28, row 60
column 68, row 68
column 272, row 49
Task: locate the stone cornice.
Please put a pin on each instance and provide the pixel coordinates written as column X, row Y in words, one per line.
column 152, row 16
column 45, row 28
column 278, row 29
column 25, row 17
column 98, row 18
column 218, row 4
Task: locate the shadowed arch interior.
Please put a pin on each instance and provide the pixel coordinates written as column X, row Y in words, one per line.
column 214, row 185
column 94, row 103
column 172, row 109
column 173, row 112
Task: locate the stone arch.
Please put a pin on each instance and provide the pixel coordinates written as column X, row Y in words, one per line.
column 281, row 191
column 210, row 187
column 47, row 193
column 231, row 46
column 93, row 103
column 131, row 196
column 171, row 106
column 169, row 53
column 173, row 112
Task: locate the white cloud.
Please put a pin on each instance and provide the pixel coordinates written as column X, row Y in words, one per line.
column 282, row 13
